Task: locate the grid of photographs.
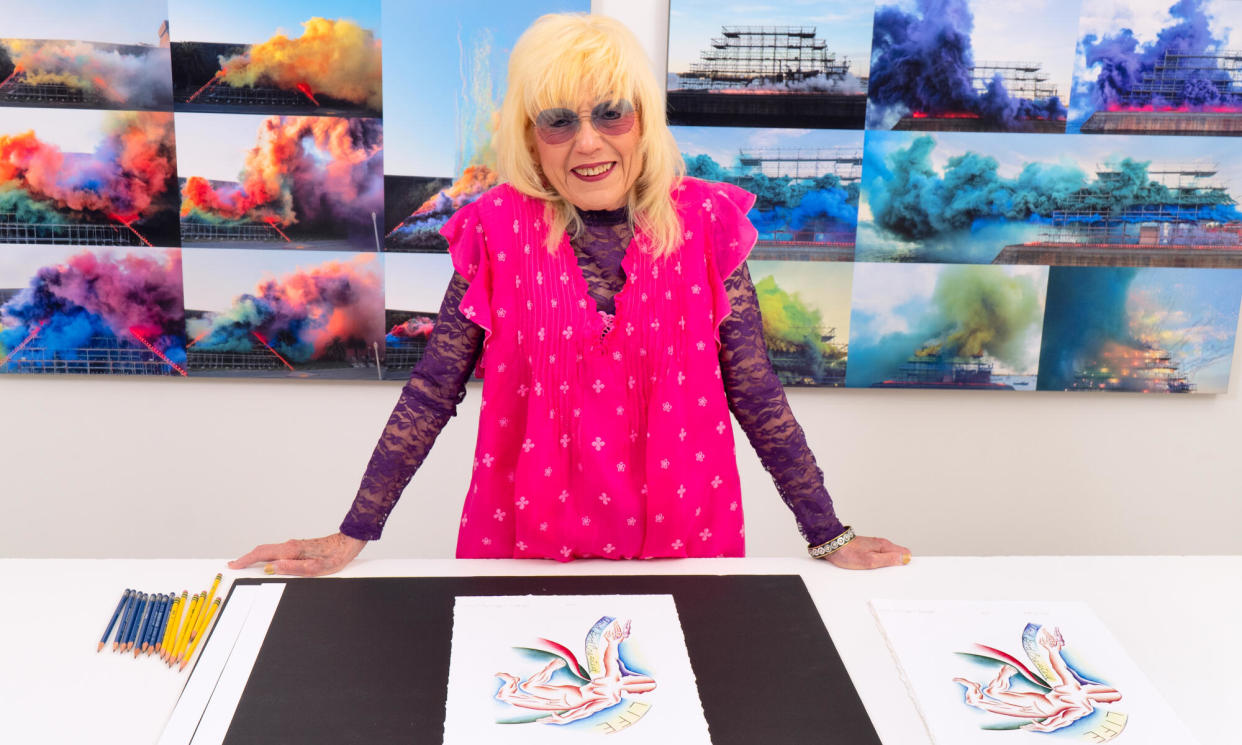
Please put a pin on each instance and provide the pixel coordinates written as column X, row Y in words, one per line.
column 1014, row 200
column 194, row 189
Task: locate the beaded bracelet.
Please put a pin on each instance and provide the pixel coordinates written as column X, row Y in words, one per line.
column 824, row 549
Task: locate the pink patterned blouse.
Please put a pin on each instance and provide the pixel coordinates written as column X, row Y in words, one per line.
column 601, row 435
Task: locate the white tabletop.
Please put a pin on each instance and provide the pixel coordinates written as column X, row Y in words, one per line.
column 1176, row 616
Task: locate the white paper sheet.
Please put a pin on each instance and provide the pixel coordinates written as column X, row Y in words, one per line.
column 1003, row 672
column 205, row 709
column 522, row 636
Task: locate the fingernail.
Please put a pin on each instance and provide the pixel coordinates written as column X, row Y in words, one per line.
column 269, row 569
column 905, row 559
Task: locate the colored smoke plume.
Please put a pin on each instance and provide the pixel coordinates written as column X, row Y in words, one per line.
column 332, row 311
column 436, row 210
column 415, row 327
column 126, row 174
column 910, row 199
column 921, row 63
column 478, row 104
column 782, row 202
column 981, row 311
column 336, row 57
column 1123, row 62
column 120, row 78
column 1086, row 312
column 790, row 325
column 93, row 294
column 301, row 169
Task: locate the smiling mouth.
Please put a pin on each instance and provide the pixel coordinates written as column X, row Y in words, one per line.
column 593, row 171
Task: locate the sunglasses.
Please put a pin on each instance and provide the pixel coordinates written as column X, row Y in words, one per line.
column 558, row 126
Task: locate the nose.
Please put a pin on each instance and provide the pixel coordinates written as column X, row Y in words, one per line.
column 588, row 139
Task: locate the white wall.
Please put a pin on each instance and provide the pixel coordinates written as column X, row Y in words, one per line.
column 207, row 468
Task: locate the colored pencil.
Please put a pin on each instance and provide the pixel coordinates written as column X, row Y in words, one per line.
column 141, row 637
column 191, row 625
column 115, row 614
column 134, row 618
column 139, row 618
column 186, row 625
column 210, row 614
column 149, row 633
column 122, row 628
column 198, row 630
column 175, row 624
column 168, row 621
column 157, row 633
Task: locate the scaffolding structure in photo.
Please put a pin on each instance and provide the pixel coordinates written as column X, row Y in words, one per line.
column 215, row 92
column 404, row 354
column 259, row 359
column 14, row 230
column 805, row 163
column 100, row 355
column 16, row 90
column 1021, row 79
column 1178, row 74
column 193, row 231
column 743, row 56
column 1182, row 219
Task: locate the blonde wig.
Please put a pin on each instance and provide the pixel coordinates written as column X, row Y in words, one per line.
column 561, row 59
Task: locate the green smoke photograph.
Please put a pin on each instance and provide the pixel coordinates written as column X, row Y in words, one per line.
column 806, row 318
column 946, row 327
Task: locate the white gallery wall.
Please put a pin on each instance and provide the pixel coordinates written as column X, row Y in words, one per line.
column 114, row 467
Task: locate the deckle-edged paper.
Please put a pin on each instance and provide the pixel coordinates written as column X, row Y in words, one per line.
column 1022, row 673
column 542, row 669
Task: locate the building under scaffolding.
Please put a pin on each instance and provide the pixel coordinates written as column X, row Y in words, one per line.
column 198, row 231
column 1183, row 230
column 745, row 56
column 1021, row 79
column 100, row 355
column 13, row 230
column 925, row 370
column 1136, row 370
column 1181, row 79
column 259, row 359
column 804, row 163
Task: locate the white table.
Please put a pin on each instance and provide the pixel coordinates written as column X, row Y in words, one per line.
column 1176, row 616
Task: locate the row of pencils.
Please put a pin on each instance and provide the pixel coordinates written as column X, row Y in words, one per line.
column 169, row 626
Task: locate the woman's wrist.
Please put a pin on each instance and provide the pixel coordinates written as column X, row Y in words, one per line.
column 830, row 547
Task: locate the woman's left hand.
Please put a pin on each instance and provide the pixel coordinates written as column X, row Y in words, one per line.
column 865, row 552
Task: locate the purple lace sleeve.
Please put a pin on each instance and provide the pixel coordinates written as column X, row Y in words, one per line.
column 757, row 399
column 436, row 385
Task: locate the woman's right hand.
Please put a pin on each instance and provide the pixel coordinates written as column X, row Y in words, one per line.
column 304, row 557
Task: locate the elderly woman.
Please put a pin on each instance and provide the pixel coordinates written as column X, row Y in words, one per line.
column 606, row 298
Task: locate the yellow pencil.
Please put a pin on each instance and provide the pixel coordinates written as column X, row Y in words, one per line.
column 197, row 631
column 173, row 624
column 202, row 617
column 184, row 635
column 210, row 614
column 168, row 624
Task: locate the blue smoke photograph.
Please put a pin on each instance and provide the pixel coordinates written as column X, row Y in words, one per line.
column 945, row 327
column 1029, row 199
column 1139, row 330
column 805, row 182
column 966, row 66
column 1158, row 67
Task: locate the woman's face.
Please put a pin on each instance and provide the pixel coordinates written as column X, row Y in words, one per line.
column 589, row 154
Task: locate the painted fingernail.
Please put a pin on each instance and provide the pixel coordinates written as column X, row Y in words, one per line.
column 269, row 569
column 905, row 558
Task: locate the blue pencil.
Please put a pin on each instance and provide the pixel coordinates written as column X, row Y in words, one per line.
column 141, row 641
column 122, row 629
column 115, row 614
column 158, row 627
column 160, row 616
column 143, row 601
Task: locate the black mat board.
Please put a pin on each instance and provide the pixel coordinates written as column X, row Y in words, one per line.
column 365, row 660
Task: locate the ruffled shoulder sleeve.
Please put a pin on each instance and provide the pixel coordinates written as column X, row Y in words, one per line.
column 721, row 209
column 467, row 247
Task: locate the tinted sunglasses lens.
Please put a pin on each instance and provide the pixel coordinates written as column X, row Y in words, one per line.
column 615, row 118
column 555, row 126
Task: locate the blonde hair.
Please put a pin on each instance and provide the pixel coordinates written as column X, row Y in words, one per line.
column 564, row 56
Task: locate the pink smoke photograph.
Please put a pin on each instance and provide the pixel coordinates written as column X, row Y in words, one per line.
column 74, row 310
column 256, row 313
column 287, row 182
